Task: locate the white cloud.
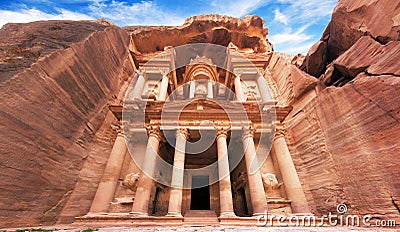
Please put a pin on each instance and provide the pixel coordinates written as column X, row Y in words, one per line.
column 236, row 8
column 279, row 17
column 29, row 15
column 293, row 42
column 306, row 10
column 141, row 13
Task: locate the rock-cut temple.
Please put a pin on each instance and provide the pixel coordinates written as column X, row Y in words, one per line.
column 237, row 176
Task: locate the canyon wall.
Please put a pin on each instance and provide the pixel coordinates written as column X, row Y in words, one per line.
column 344, row 138
column 52, row 114
column 248, row 32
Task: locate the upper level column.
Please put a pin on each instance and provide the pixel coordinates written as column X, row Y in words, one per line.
column 191, row 89
column 137, row 91
column 162, row 96
column 142, row 198
column 238, row 89
column 290, row 178
column 263, row 87
column 225, row 188
column 257, row 194
column 210, row 89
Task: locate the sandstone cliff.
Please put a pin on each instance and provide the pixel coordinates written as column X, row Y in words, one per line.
column 344, row 138
column 247, row 32
column 351, row 20
column 57, row 78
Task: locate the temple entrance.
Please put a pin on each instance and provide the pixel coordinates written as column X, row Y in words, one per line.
column 242, row 196
column 200, row 193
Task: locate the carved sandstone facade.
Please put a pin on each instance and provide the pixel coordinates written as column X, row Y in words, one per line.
column 243, row 190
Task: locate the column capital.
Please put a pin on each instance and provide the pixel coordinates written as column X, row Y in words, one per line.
column 237, row 74
column 222, row 131
column 248, row 131
column 184, row 132
column 153, row 130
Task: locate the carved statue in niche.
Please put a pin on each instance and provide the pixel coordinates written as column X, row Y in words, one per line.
column 250, row 92
column 131, row 181
column 154, row 92
column 270, row 181
column 201, row 89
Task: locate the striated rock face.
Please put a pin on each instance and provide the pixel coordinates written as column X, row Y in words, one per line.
column 51, row 112
column 345, row 144
column 22, row 45
column 345, row 141
column 366, row 55
column 247, row 32
column 289, row 83
column 350, row 21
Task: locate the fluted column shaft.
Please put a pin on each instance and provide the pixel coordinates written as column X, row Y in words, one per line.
column 225, row 189
column 106, row 189
column 257, row 194
column 137, row 91
column 238, row 89
column 191, row 89
column 162, row 96
column 210, row 89
column 290, row 178
column 264, row 91
column 175, row 198
column 142, row 197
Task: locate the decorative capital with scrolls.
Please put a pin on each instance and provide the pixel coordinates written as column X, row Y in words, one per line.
column 248, row 131
column 184, row 132
column 222, row 131
column 153, row 130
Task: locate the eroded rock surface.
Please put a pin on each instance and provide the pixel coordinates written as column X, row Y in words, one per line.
column 21, row 45
column 247, row 32
column 350, row 21
column 51, row 112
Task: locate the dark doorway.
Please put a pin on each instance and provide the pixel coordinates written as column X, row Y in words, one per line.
column 156, row 196
column 200, row 194
column 242, row 199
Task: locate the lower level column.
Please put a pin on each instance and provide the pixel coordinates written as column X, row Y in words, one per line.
column 290, row 178
column 225, row 189
column 175, row 198
column 142, row 198
column 106, row 189
column 257, row 194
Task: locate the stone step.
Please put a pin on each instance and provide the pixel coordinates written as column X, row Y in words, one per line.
column 200, row 218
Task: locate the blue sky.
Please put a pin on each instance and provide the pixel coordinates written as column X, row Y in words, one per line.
column 294, row 25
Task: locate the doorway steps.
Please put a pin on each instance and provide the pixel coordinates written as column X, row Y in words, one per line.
column 200, row 218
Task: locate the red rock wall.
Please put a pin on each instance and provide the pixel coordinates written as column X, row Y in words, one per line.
column 345, row 144
column 247, row 32
column 352, row 19
column 345, row 140
column 50, row 115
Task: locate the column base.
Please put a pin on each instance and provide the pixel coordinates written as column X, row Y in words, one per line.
column 139, row 214
column 261, row 214
column 227, row 215
column 97, row 213
column 174, row 214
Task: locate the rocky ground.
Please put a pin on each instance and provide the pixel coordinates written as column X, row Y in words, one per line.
column 206, row 228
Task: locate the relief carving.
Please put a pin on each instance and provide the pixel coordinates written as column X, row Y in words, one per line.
column 270, row 181
column 131, row 181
